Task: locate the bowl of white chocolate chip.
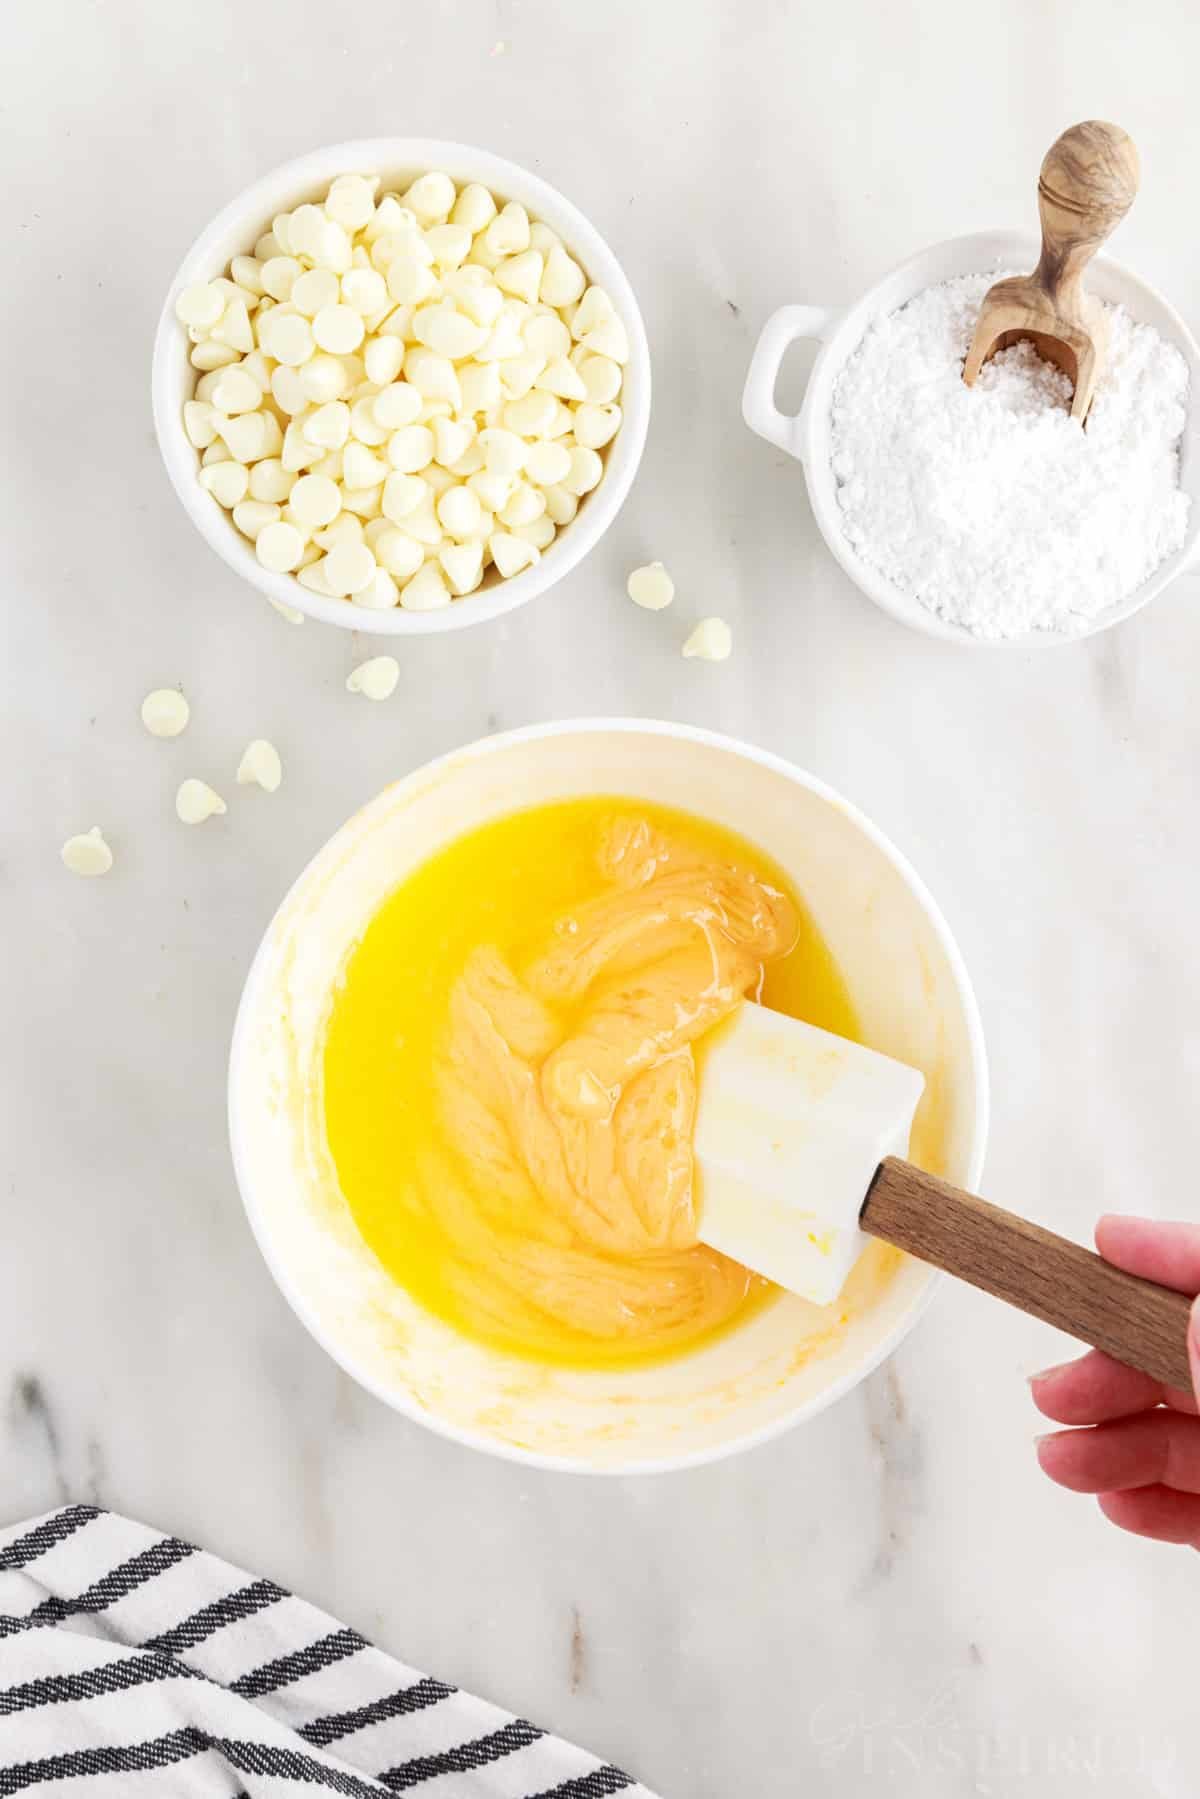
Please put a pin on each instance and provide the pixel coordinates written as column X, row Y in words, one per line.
column 401, row 385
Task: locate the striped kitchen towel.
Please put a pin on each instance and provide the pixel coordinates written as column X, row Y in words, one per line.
column 131, row 1662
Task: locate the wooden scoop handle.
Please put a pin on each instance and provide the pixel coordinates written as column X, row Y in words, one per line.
column 1088, row 181
column 1137, row 1321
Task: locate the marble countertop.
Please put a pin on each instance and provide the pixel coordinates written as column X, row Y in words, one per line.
column 889, row 1599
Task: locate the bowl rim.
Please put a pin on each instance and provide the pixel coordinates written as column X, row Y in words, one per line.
column 258, row 202
column 477, row 1440
column 843, row 333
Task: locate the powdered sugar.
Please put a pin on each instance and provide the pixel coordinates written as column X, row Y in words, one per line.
column 990, row 504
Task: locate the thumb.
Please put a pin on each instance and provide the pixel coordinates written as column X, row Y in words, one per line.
column 1194, row 1347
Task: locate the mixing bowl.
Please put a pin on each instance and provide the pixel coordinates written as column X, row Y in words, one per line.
column 398, row 160
column 907, row 983
column 807, row 435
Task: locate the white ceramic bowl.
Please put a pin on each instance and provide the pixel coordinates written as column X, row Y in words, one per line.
column 397, row 160
column 906, row 980
column 807, row 435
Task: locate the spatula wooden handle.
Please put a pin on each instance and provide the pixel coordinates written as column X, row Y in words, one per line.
column 1088, row 181
column 1142, row 1324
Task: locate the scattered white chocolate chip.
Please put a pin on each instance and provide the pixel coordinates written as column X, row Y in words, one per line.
column 375, row 679
column 196, row 801
column 291, row 613
column 260, row 766
column 87, row 854
column 165, row 712
column 651, row 587
column 435, row 360
column 711, row 641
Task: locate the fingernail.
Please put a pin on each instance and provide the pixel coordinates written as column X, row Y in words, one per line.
column 1047, row 1373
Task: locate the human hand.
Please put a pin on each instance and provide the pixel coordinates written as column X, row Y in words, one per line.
column 1139, row 1450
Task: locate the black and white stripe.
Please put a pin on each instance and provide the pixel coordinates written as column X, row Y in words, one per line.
column 124, row 1652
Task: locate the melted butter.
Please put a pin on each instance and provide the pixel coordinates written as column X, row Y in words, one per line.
column 510, row 1075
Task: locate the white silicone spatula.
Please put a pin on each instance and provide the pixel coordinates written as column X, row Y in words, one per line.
column 799, row 1144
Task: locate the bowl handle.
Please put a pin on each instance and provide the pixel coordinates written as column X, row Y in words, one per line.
column 758, row 397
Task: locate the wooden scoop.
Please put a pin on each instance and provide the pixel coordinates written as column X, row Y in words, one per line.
column 799, row 1146
column 1086, row 186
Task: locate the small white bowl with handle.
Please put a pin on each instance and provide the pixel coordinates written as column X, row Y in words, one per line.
column 397, row 160
column 806, row 436
column 907, row 985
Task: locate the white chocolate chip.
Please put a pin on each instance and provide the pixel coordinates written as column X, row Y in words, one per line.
column 311, row 576
column 426, row 591
column 547, row 464
column 546, row 335
column 279, row 546
column 523, row 505
column 609, row 339
column 596, row 425
column 711, row 641
column 288, row 339
column 253, row 516
column 410, row 449
column 210, row 356
column 88, row 854
column 508, row 232
column 315, row 289
column 165, row 712
column 314, row 501
column 459, row 512
column 364, row 291
column 279, row 275
column 431, row 197
column 540, row 531
column 462, row 564
column 383, row 359
column 260, row 766
column 344, row 529
column 199, row 421
column 601, row 377
column 323, row 379
column 361, row 469
column 197, row 801
column 398, row 553
column 562, row 379
column 236, row 391
column 329, row 426
column 591, row 310
column 561, row 504
column 397, row 405
column 200, row 305
column 375, row 679
column 521, row 275
column 351, row 201
column 349, row 568
column 530, row 416
column 474, row 208
column 291, row 613
column 270, row 481
column 381, row 592
column 234, row 329
column 651, row 587
column 338, row 329
column 446, row 331
column 227, row 481
column 562, row 279
column 511, row 554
